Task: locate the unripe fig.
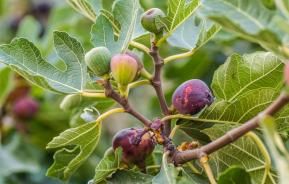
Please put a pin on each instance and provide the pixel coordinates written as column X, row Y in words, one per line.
column 139, row 63
column 136, row 145
column 98, row 60
column 151, row 20
column 123, row 68
column 25, row 108
column 191, row 97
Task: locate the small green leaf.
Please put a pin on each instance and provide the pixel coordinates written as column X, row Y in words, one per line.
column 6, row 83
column 23, row 57
column 130, row 177
column 108, row 165
column 194, row 33
column 277, row 148
column 178, row 13
column 234, row 174
column 125, row 12
column 78, row 144
column 83, row 7
column 168, row 173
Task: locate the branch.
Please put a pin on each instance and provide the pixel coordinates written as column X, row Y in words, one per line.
column 232, row 135
column 109, row 92
column 157, row 84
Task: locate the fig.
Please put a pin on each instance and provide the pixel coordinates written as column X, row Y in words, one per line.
column 192, row 96
column 124, row 68
column 139, row 63
column 98, row 60
column 25, row 108
column 150, row 20
column 136, row 144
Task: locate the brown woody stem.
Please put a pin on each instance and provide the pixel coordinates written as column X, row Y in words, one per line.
column 123, row 101
column 157, row 84
column 232, row 135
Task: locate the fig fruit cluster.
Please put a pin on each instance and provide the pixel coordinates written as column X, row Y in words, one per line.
column 125, row 68
column 136, row 144
column 192, row 96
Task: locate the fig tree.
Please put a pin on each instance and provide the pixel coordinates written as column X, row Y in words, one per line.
column 25, row 108
column 124, row 68
column 150, row 20
column 191, row 97
column 98, row 60
column 136, row 145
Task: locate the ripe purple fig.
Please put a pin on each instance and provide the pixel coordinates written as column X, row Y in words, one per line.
column 192, row 96
column 25, row 108
column 123, row 68
column 136, row 145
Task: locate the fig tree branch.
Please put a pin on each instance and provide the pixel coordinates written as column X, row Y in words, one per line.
column 123, row 101
column 232, row 135
column 157, row 84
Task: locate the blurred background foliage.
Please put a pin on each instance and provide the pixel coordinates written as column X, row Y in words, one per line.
column 23, row 158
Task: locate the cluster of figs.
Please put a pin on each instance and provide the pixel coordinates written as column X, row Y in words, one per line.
column 189, row 98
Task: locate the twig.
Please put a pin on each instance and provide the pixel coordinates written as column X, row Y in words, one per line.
column 157, row 84
column 109, row 113
column 232, row 135
column 179, row 56
column 109, row 92
column 204, row 160
column 139, row 46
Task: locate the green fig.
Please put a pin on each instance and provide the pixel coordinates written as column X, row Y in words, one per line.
column 124, row 68
column 98, row 60
column 151, row 20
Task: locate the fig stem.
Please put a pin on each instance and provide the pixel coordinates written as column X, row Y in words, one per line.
column 179, row 56
column 123, row 101
column 157, row 84
column 140, row 46
column 138, row 83
column 109, row 113
column 232, row 135
column 173, row 132
column 146, row 74
column 204, row 160
column 94, row 95
column 190, row 117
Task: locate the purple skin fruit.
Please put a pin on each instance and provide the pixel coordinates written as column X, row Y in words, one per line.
column 192, row 96
column 25, row 108
column 136, row 145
